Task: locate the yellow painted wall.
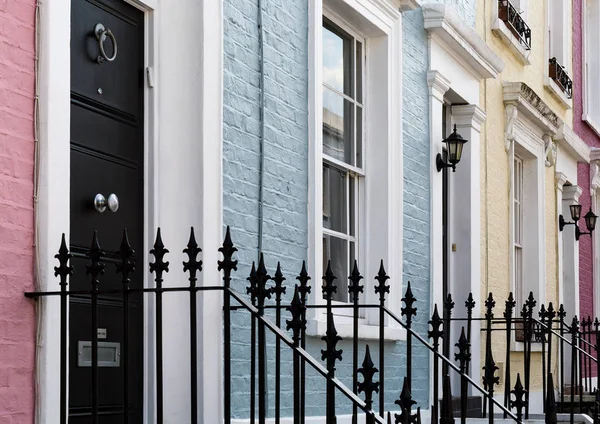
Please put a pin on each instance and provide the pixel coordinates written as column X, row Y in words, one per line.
column 495, row 183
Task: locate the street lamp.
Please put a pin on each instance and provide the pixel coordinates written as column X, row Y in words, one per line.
column 454, row 144
column 590, row 221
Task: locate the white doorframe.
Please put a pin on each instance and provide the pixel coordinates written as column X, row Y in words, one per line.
column 52, row 204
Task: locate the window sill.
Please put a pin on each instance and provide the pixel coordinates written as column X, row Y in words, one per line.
column 593, row 125
column 318, row 327
column 501, row 30
column 555, row 90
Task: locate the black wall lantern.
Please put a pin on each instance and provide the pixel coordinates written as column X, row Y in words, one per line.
column 454, row 144
column 590, row 221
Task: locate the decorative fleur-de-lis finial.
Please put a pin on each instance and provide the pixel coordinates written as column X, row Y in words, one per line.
column 550, row 314
column 127, row 259
column 447, row 412
column 368, row 386
column 193, row 264
column 329, row 288
column 297, row 323
column 519, row 401
column 509, row 304
column 354, row 288
column 227, row 264
column 542, row 313
column 252, row 289
column 95, row 268
column 330, row 353
column 63, row 270
column 262, row 278
column 574, row 326
column 405, row 403
column 464, row 354
column 381, row 288
column 490, row 368
column 470, row 303
column 561, row 312
column 596, row 324
column 159, row 266
column 436, row 332
column 449, row 303
column 530, row 303
column 304, row 288
column 409, row 310
column 490, row 303
column 278, row 289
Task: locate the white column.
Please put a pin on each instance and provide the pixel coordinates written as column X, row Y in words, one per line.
column 465, row 225
column 560, row 179
column 438, row 85
column 570, row 255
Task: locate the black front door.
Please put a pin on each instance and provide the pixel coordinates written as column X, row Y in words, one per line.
column 106, row 158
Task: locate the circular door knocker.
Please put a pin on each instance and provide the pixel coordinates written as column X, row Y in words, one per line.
column 102, row 34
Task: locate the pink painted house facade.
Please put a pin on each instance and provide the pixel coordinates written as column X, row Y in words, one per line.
column 586, row 117
column 17, row 317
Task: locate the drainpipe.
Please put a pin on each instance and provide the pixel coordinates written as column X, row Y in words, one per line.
column 261, row 165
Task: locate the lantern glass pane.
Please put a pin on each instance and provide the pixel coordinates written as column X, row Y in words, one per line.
column 575, row 212
column 590, row 221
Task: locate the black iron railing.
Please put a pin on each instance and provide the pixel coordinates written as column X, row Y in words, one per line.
column 515, row 22
column 558, row 342
column 559, row 74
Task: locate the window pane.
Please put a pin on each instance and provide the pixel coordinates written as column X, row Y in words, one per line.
column 359, row 134
column 352, row 204
column 338, row 60
column 334, row 198
column 359, row 72
column 338, row 126
column 336, row 251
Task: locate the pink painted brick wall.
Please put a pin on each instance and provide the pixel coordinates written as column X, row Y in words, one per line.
column 17, row 314
column 586, row 262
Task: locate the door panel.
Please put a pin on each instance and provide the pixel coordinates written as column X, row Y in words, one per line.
column 106, row 157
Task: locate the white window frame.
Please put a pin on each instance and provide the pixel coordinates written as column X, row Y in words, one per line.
column 529, row 146
column 517, row 199
column 354, row 171
column 380, row 25
column 557, row 43
column 590, row 18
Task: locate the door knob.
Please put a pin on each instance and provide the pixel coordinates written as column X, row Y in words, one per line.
column 100, row 202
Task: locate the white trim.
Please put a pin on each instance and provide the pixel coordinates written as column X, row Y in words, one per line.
column 560, row 180
column 555, row 90
column 381, row 25
column 570, row 141
column 206, row 213
column 441, row 20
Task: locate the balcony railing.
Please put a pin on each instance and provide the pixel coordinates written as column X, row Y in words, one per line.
column 515, row 23
column 559, row 74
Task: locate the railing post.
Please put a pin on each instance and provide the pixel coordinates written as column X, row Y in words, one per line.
column 158, row 267
column 368, row 386
column 354, row 288
column 550, row 406
column 470, row 305
column 574, row 332
column 95, row 269
column 193, row 266
column 227, row 265
column 381, row 288
column 251, row 289
column 409, row 311
column 550, row 315
column 597, row 350
column 125, row 267
column 448, row 307
column 64, row 270
column 561, row 317
column 463, row 356
column 528, row 317
column 297, row 324
column 542, row 315
column 330, row 354
column 488, row 368
column 278, row 290
column 405, row 402
column 508, row 315
column 304, row 290
column 447, row 416
column 519, row 403
column 436, row 334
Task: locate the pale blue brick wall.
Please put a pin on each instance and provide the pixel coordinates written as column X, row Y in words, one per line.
column 286, row 181
column 466, row 9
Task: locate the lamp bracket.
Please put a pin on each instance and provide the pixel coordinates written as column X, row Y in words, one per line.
column 440, row 164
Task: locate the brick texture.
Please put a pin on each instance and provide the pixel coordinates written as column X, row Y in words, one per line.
column 17, row 316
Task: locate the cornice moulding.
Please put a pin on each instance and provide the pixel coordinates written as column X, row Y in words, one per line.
column 408, row 5
column 526, row 101
column 441, row 20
